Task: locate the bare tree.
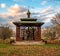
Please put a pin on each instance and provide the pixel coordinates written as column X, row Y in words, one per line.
column 5, row 32
column 49, row 33
column 56, row 22
column 56, row 19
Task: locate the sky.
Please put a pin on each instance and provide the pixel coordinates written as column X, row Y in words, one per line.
column 14, row 10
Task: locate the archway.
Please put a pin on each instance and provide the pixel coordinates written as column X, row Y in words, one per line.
column 28, row 33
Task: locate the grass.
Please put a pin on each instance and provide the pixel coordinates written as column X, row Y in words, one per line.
column 52, row 45
column 4, row 45
column 27, row 50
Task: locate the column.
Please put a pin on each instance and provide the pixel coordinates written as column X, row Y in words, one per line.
column 39, row 29
column 37, row 34
column 18, row 38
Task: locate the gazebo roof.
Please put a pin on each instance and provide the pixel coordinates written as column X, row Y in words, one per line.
column 28, row 19
column 28, row 23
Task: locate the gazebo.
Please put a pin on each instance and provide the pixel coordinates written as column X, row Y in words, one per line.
column 28, row 29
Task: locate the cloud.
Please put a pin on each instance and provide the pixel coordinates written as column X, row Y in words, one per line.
column 5, row 16
column 44, row 2
column 16, row 10
column 48, row 9
column 14, row 13
column 45, row 14
column 3, row 5
column 48, row 12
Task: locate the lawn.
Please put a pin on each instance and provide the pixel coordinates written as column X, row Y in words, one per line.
column 30, row 50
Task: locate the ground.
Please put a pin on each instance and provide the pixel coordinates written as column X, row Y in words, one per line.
column 30, row 50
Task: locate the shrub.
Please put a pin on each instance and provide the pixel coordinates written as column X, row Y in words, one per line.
column 7, row 41
column 12, row 41
column 53, row 41
column 1, row 41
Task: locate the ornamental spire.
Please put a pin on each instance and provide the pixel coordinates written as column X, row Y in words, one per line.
column 28, row 14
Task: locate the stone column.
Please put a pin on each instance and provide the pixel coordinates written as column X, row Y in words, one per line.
column 39, row 29
column 18, row 38
column 37, row 34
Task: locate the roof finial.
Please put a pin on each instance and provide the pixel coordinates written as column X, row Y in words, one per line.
column 28, row 13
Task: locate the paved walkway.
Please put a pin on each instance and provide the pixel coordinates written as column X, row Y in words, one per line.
column 29, row 43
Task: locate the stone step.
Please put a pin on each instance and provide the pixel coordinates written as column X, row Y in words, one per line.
column 29, row 43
